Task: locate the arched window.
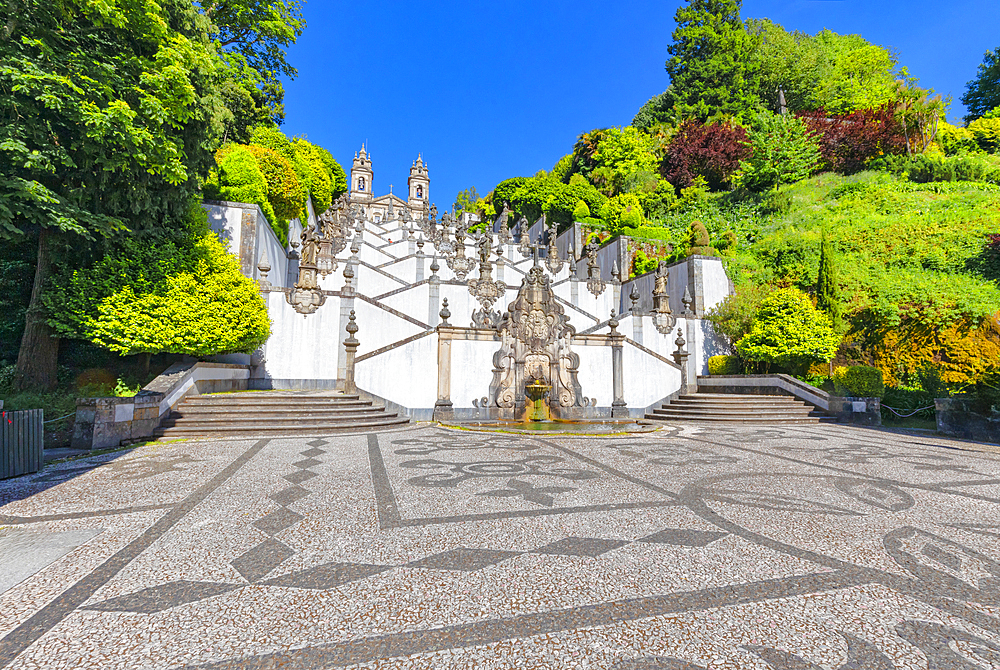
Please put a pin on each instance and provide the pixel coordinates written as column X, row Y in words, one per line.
column 361, row 183
column 420, row 191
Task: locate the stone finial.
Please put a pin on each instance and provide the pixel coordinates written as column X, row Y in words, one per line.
column 420, row 244
column 613, row 322
column 634, row 297
column 616, row 273
column 680, row 342
column 435, row 266
column 264, row 267
column 352, row 328
column 348, row 276
column 445, row 313
column 687, row 301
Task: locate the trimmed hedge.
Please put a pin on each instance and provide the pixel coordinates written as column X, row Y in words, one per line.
column 859, row 381
column 725, row 365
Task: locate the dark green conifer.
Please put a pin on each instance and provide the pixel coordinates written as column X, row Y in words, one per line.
column 827, row 289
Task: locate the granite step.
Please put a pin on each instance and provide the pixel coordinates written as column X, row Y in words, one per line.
column 737, row 408
column 287, row 420
column 302, row 430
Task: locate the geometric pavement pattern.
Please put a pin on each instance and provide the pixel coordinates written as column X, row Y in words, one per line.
column 262, row 559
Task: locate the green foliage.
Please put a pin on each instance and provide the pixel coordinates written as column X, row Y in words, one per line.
column 643, row 264
column 562, row 169
column 734, row 316
column 926, row 168
column 725, row 365
column 210, row 308
column 658, row 202
column 827, row 288
column 982, row 94
column 240, row 179
column 698, row 242
column 839, row 73
column 622, row 152
column 658, row 109
column 181, row 296
column 712, row 68
column 104, row 98
column 581, row 211
column 530, row 197
column 15, row 292
column 622, row 212
column 784, row 151
column 338, row 180
column 790, row 332
column 318, row 180
column 858, row 381
column 283, row 187
column 986, row 133
column 955, row 140
column 123, row 390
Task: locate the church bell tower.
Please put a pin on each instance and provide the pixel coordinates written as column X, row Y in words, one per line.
column 419, row 184
column 361, row 177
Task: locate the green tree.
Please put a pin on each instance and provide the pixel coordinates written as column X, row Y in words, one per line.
column 839, row 73
column 982, row 94
column 827, row 286
column 623, row 152
column 658, row 109
column 109, row 112
column 622, row 212
column 790, row 332
column 581, row 211
column 712, row 66
column 783, row 152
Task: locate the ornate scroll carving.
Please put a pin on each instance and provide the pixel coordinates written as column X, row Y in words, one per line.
column 459, row 263
column 485, row 289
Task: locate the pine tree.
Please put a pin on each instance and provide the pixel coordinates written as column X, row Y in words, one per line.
column 712, row 69
column 827, row 289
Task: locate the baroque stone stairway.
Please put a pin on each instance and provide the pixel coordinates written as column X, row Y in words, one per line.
column 738, row 408
column 275, row 414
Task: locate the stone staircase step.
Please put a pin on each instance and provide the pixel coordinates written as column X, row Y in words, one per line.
column 737, row 408
column 275, row 414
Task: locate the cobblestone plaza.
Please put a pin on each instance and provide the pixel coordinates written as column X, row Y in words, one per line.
column 800, row 547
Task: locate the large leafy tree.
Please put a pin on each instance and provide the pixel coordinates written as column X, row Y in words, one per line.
column 109, row 111
column 712, row 65
column 838, row 73
column 982, row 94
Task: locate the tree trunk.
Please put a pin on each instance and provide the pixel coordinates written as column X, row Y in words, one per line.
column 38, row 357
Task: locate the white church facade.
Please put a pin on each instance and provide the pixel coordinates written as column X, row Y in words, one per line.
column 380, row 208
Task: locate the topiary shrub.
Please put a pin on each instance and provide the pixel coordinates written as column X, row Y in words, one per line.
column 724, row 365
column 698, row 241
column 859, row 381
column 790, row 332
column 581, row 211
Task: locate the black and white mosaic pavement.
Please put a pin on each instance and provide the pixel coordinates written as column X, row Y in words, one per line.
column 791, row 548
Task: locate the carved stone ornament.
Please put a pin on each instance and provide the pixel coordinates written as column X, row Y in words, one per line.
column 307, row 297
column 334, row 224
column 459, row 263
column 595, row 284
column 484, row 318
column 553, row 262
column 485, row 289
column 503, row 231
column 263, row 267
column 535, row 338
column 663, row 318
column 524, row 244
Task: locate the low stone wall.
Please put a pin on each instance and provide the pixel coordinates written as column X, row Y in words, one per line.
column 102, row 423
column 859, row 411
column 956, row 418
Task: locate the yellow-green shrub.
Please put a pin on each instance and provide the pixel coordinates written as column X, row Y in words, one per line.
column 283, row 187
column 986, row 132
column 953, row 139
column 859, row 381
column 789, row 331
column 210, row 308
column 724, row 365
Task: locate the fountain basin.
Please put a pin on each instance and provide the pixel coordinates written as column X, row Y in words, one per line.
column 565, row 427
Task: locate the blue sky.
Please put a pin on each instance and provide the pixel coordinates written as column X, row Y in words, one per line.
column 491, row 90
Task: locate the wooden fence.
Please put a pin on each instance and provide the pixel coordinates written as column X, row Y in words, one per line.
column 20, row 442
